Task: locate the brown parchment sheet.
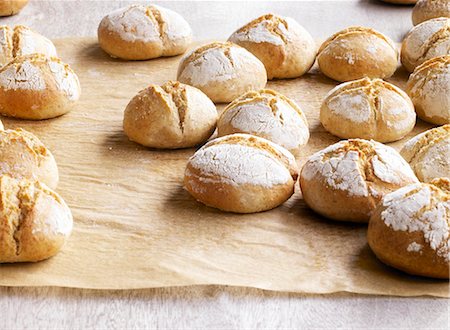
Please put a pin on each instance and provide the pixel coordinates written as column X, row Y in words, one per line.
column 135, row 226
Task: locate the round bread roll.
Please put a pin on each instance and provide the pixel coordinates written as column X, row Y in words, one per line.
column 170, row 116
column 428, row 154
column 429, row 9
column 37, row 87
column 222, row 70
column 368, row 109
column 141, row 32
column 425, row 41
column 401, row 2
column 241, row 173
column 358, row 52
column 285, row 48
column 35, row 222
column 11, row 7
column 409, row 230
column 23, row 155
column 429, row 89
column 346, row 180
column 269, row 115
column 22, row 41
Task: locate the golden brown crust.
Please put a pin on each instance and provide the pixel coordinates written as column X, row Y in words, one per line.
column 429, row 9
column 410, row 246
column 11, row 7
column 34, row 221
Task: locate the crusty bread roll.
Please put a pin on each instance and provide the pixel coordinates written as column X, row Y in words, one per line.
column 222, row 70
column 11, row 7
column 401, row 2
column 409, row 230
column 429, row 9
column 368, row 109
column 170, row 116
column 425, row 41
column 285, row 48
column 346, row 180
column 241, row 173
column 37, row 87
column 35, row 222
column 22, row 41
column 267, row 114
column 428, row 153
column 358, row 52
column 141, row 32
column 23, row 155
column 429, row 89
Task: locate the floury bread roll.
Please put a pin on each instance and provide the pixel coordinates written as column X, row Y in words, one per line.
column 23, row 155
column 410, row 229
column 241, row 173
column 358, row 52
column 269, row 115
column 429, row 89
column 35, row 222
column 368, row 109
column 141, row 32
column 170, row 116
column 285, row 48
column 425, row 41
column 429, row 9
column 222, row 70
column 429, row 153
column 22, row 41
column 346, row 180
column 11, row 7
column 37, row 87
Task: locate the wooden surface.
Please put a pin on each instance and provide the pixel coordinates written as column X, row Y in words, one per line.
column 217, row 307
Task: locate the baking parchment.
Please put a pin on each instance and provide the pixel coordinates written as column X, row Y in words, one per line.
column 135, row 226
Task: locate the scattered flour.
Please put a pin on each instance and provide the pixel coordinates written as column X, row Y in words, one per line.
column 414, row 247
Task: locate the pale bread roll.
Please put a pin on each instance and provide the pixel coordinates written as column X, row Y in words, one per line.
column 428, row 153
column 35, row 222
column 429, row 89
column 23, row 155
column 346, row 180
column 368, row 109
column 425, row 41
column 140, row 32
column 358, row 52
column 11, row 7
column 267, row 114
column 22, row 41
column 285, row 48
column 170, row 116
column 37, row 87
column 222, row 70
column 241, row 173
column 410, row 229
column 429, row 9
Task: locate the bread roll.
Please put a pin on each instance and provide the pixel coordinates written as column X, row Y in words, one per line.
column 11, row 7
column 368, row 109
column 241, row 173
column 35, row 222
column 22, row 41
column 401, row 2
column 425, row 41
column 429, row 89
column 357, row 52
column 269, row 115
column 346, row 180
column 429, row 9
column 429, row 153
column 170, row 116
column 222, row 70
column 37, row 87
column 23, row 155
column 141, row 32
column 285, row 48
column 409, row 230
